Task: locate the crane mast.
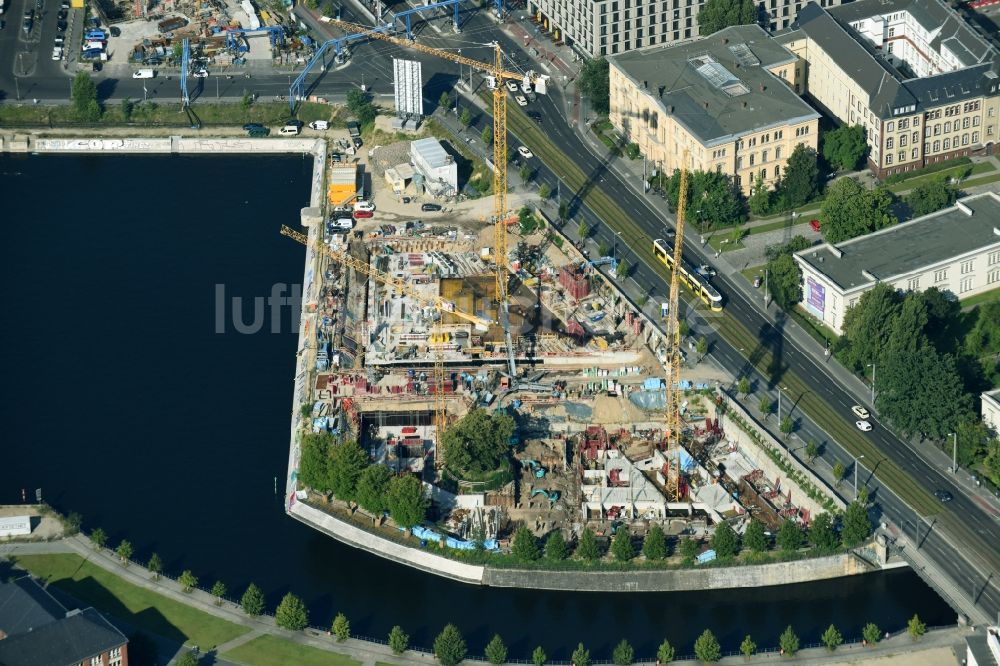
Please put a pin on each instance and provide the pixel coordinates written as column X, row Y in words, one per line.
column 674, row 394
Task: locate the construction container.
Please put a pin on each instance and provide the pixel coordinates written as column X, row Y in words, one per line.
column 343, row 187
column 574, row 281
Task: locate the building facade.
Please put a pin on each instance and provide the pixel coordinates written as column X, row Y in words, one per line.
column 729, row 100
column 956, row 250
column 923, row 84
column 608, row 27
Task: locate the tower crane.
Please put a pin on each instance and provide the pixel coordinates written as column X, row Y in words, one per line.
column 674, row 394
column 496, row 75
column 440, row 304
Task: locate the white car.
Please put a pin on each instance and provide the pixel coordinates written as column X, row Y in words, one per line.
column 521, row 101
column 364, row 206
column 524, row 152
column 511, row 86
column 863, row 426
column 860, row 412
column 320, row 124
column 201, row 74
column 706, row 270
column 289, row 130
column 57, row 53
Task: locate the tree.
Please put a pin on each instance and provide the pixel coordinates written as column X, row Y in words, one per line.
column 666, row 652
column 496, row 651
column 219, row 591
column 789, row 536
column 788, row 641
column 465, row 117
column 743, row 387
column 479, row 442
column 563, row 210
column 487, row 135
column 719, row 201
column 871, row 633
column 718, row 14
column 314, row 464
column 822, row 534
column 356, row 100
column 525, row 546
column 838, row 472
column 581, row 656
column 869, row 325
column 406, row 501
column 623, row 654
column 916, row 628
column 654, row 545
column 252, row 601
column 524, row 173
column 921, row 392
column 189, row 658
column 398, row 640
column 800, row 183
column 689, row 550
column 341, row 628
column 991, row 463
column 544, row 191
column 127, row 107
column 187, row 580
column 845, row 147
column 831, row 638
column 555, row 547
column 587, row 548
column 851, row 209
column 930, row 197
column 373, row 484
column 760, row 198
column 724, row 541
column 812, row 451
column 291, row 614
column 765, row 406
column 748, row 647
column 444, row 101
column 622, row 269
column 754, row 537
column 124, row 551
column 594, row 82
column 707, row 648
column 702, row 347
column 449, row 646
column 621, row 546
column 583, row 230
column 857, row 526
column 99, row 537
column 347, row 462
column 784, row 281
column 538, row 656
column 787, row 426
column 84, row 95
column 155, row 566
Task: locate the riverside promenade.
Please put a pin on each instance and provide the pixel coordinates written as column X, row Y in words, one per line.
column 940, row 647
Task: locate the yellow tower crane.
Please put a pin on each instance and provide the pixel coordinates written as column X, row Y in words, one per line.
column 674, row 394
column 440, row 304
column 496, row 74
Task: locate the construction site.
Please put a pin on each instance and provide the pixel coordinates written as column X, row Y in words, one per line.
column 618, row 422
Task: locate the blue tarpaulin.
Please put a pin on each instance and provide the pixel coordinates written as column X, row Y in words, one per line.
column 707, row 556
column 451, row 542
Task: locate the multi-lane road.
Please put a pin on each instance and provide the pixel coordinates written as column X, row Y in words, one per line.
column 970, row 555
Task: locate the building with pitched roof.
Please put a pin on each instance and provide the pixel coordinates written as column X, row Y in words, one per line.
column 923, row 84
column 956, row 249
column 728, row 99
column 36, row 630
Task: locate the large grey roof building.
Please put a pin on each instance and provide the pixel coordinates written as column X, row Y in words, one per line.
column 956, row 250
column 724, row 98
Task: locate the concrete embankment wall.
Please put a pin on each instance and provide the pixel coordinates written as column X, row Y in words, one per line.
column 171, row 145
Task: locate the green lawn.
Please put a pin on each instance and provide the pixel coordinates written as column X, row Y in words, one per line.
column 144, row 608
column 982, row 167
column 727, row 240
column 972, row 182
column 979, row 299
column 270, row 650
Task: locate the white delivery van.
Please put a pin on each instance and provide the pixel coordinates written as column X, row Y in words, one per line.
column 143, row 74
column 289, row 130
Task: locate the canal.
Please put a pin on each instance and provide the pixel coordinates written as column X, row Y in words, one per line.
column 131, row 397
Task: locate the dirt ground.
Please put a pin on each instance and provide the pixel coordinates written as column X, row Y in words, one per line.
column 43, row 525
column 936, row 656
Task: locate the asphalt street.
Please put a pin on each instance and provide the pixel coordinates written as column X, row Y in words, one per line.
column 974, row 563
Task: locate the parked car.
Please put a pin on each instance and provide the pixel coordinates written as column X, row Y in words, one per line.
column 320, row 125
column 115, row 31
column 96, row 66
column 26, row 25
column 430, row 208
column 524, row 152
column 534, row 115
column 361, row 214
column 201, row 74
column 943, row 495
column 90, row 54
column 252, row 126
column 336, row 158
column 363, row 205
column 61, row 26
column 863, row 426
column 814, row 225
column 64, row 4
column 757, row 281
column 144, row 73
column 511, row 86
column 860, row 412
column 289, row 130
column 294, row 122
column 62, row 15
column 706, row 270
column 57, row 53
column 258, row 132
column 521, row 101
column 59, row 41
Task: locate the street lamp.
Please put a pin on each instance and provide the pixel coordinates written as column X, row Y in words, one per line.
column 780, row 389
column 872, row 366
column 856, row 459
column 954, row 453
column 614, row 250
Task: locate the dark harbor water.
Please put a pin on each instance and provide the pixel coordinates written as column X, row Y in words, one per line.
column 122, row 402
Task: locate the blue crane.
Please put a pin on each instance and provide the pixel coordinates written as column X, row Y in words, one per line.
column 185, row 64
column 236, row 37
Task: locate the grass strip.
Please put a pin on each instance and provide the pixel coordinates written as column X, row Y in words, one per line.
column 144, row 608
column 981, row 167
column 270, row 650
column 979, row 299
column 981, row 181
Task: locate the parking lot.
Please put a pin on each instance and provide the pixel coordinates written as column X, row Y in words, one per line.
column 42, row 27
